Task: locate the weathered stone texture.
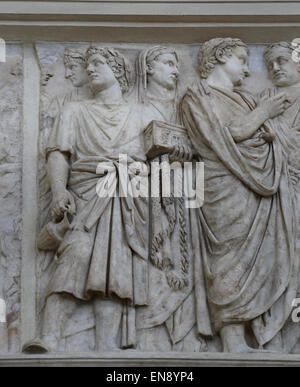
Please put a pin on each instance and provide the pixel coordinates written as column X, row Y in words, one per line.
column 11, row 139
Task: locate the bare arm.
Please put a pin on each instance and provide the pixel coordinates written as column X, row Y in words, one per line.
column 242, row 128
column 58, row 172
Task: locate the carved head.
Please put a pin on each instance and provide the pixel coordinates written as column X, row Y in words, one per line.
column 105, row 66
column 75, row 66
column 231, row 55
column 162, row 67
column 283, row 70
column 159, row 65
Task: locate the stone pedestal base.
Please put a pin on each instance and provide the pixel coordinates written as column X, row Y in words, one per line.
column 140, row 359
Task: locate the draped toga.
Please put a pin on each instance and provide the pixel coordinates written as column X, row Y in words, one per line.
column 177, row 309
column 106, row 251
column 247, row 220
column 287, row 129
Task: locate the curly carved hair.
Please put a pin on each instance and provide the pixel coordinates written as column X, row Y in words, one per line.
column 117, row 62
column 274, row 46
column 214, row 49
column 154, row 52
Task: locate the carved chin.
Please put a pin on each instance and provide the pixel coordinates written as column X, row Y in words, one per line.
column 96, row 86
column 281, row 84
column 75, row 82
column 239, row 82
column 282, row 81
column 171, row 85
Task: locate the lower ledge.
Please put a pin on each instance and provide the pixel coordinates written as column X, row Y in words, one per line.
column 149, row 359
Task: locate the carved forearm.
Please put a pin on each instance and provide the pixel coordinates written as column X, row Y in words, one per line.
column 242, row 128
column 58, row 171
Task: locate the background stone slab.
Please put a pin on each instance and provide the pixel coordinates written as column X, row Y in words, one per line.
column 11, row 143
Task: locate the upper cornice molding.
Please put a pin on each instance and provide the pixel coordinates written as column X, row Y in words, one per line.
column 154, row 11
column 165, row 1
column 152, row 20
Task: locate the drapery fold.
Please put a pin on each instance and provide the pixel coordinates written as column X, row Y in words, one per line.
column 247, row 221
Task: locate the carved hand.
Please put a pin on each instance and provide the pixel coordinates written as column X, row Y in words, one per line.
column 273, row 106
column 61, row 203
column 181, row 153
column 175, row 281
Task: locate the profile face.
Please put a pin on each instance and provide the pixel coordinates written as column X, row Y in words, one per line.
column 282, row 69
column 236, row 66
column 76, row 73
column 164, row 71
column 100, row 74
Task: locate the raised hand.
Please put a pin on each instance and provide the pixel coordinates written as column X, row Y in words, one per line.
column 275, row 105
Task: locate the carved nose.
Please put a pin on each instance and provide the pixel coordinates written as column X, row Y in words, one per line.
column 67, row 74
column 90, row 70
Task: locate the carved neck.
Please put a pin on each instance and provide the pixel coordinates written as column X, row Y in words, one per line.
column 155, row 90
column 293, row 87
column 219, row 79
column 110, row 96
column 83, row 91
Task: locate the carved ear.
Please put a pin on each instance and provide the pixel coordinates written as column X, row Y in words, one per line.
column 149, row 69
column 220, row 55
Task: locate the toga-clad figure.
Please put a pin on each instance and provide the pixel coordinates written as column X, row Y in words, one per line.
column 284, row 71
column 103, row 256
column 75, row 72
column 171, row 320
column 248, row 222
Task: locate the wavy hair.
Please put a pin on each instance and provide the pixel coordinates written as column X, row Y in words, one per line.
column 117, row 62
column 212, row 50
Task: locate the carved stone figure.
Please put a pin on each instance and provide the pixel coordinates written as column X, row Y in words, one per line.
column 103, row 256
column 248, row 235
column 168, row 322
column 115, row 271
column 285, row 74
column 75, row 71
column 74, row 61
column 157, row 84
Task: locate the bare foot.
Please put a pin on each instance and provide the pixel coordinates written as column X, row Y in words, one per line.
column 233, row 338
